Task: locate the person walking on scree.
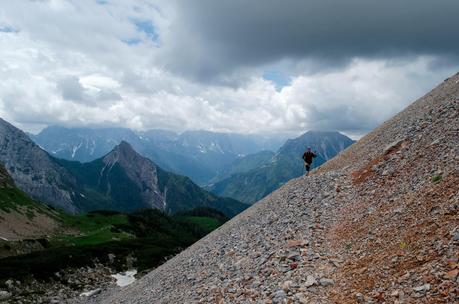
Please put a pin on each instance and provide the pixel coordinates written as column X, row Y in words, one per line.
column 308, row 157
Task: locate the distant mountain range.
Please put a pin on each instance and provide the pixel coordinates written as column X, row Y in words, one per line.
column 121, row 180
column 115, row 177
column 274, row 170
column 201, row 155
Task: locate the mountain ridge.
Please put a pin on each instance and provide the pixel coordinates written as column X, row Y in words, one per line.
column 284, row 165
column 121, row 180
column 201, row 155
column 129, row 181
column 140, row 170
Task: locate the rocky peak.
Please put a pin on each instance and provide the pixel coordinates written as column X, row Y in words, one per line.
column 125, row 147
column 124, row 150
column 326, row 143
column 140, row 170
column 127, row 157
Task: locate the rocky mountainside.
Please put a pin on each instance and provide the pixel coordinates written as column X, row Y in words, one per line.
column 20, row 216
column 139, row 170
column 201, row 155
column 123, row 180
column 33, row 170
column 325, row 144
column 377, row 224
column 5, row 179
column 252, row 185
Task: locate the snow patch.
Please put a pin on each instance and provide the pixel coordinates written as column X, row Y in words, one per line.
column 74, row 149
column 90, row 293
column 125, row 278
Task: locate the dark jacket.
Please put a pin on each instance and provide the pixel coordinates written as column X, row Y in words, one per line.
column 308, row 156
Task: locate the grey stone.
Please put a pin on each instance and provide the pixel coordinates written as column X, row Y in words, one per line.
column 111, row 257
column 422, row 288
column 279, row 295
column 4, row 295
column 10, row 284
column 326, row 282
column 310, row 281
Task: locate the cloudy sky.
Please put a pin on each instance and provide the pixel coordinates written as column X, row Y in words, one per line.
column 229, row 65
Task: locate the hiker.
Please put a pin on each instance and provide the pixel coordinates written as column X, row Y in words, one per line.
column 307, row 157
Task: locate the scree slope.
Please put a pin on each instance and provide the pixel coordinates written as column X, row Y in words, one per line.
column 378, row 223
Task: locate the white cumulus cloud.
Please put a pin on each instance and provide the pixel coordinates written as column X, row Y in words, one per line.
column 139, row 64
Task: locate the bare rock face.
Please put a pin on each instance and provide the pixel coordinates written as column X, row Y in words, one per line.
column 33, row 170
column 21, row 219
column 140, row 170
column 376, row 224
column 5, row 179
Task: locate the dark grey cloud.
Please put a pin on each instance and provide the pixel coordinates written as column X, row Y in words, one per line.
column 218, row 36
column 71, row 89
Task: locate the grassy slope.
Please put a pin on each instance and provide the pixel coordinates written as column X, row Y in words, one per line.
column 14, row 200
column 206, row 223
column 22, row 217
column 94, row 229
column 149, row 235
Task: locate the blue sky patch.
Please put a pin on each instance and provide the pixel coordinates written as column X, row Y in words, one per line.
column 148, row 28
column 279, row 78
column 8, row 29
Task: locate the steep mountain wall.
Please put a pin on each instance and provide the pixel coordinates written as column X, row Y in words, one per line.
column 20, row 216
column 379, row 223
column 33, row 170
